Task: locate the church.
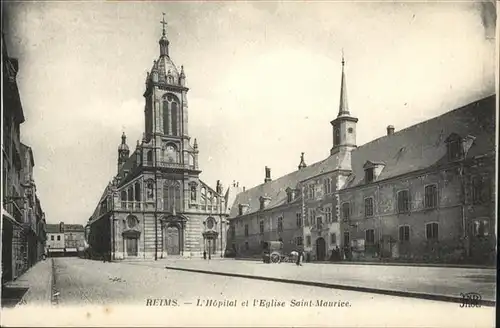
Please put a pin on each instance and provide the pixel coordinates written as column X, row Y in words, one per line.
column 422, row 194
column 156, row 206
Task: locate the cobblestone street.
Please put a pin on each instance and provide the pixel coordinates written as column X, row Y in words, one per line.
column 81, row 282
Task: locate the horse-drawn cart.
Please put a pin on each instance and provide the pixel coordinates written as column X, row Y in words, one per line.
column 273, row 253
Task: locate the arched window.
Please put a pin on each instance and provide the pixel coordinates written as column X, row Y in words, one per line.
column 171, row 196
column 130, row 194
column 149, row 112
column 137, row 191
column 166, row 123
column 150, row 157
column 170, row 115
column 174, row 118
column 124, row 198
column 336, row 136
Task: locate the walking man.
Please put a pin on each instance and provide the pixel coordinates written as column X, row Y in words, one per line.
column 299, row 257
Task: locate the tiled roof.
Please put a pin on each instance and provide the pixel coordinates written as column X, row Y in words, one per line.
column 52, row 228
column 73, row 228
column 276, row 189
column 422, row 145
column 417, row 147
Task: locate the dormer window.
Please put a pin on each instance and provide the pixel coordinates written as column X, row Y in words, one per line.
column 369, row 175
column 264, row 202
column 455, row 148
column 291, row 194
column 242, row 209
column 373, row 170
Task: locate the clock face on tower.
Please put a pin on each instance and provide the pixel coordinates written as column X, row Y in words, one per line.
column 171, row 153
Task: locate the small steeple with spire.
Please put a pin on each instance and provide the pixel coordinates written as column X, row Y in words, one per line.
column 123, row 151
column 344, row 126
column 343, row 105
column 182, row 77
column 302, row 162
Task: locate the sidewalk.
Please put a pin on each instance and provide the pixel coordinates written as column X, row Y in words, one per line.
column 38, row 281
column 435, row 283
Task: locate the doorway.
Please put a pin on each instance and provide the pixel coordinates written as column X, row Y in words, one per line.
column 173, row 240
column 320, row 249
column 132, row 246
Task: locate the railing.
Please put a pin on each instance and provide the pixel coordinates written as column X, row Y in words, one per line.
column 170, row 165
column 130, row 205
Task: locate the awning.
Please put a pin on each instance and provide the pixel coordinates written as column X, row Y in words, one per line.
column 9, row 217
column 55, row 250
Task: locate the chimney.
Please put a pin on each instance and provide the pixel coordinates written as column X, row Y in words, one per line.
column 244, row 188
column 268, row 175
column 390, row 130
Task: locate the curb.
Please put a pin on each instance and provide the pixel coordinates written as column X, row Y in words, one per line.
column 396, row 264
column 53, row 290
column 432, row 297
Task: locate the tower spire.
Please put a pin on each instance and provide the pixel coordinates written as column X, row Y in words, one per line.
column 163, row 40
column 302, row 163
column 343, row 105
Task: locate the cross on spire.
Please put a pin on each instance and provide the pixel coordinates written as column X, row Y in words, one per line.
column 163, row 23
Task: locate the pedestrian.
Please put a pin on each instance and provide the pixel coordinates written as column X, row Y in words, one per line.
column 337, row 256
column 299, row 257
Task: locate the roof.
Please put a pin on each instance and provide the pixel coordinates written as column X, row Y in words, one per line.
column 56, row 228
column 52, row 228
column 73, row 228
column 423, row 145
column 417, row 147
column 276, row 189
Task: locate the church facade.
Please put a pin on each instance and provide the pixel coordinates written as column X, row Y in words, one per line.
column 156, row 206
column 423, row 194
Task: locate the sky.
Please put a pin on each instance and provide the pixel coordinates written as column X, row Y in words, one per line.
column 264, row 80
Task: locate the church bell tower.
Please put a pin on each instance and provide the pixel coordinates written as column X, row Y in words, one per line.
column 166, row 108
column 344, row 126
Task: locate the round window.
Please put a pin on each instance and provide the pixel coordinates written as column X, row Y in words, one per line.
column 210, row 223
column 131, row 222
column 349, row 130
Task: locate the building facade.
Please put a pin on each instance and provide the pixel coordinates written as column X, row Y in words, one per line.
column 156, row 205
column 74, row 238
column 56, row 242
column 23, row 221
column 65, row 239
column 423, row 194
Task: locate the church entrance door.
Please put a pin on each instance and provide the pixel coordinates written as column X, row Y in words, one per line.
column 173, row 240
column 132, row 246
